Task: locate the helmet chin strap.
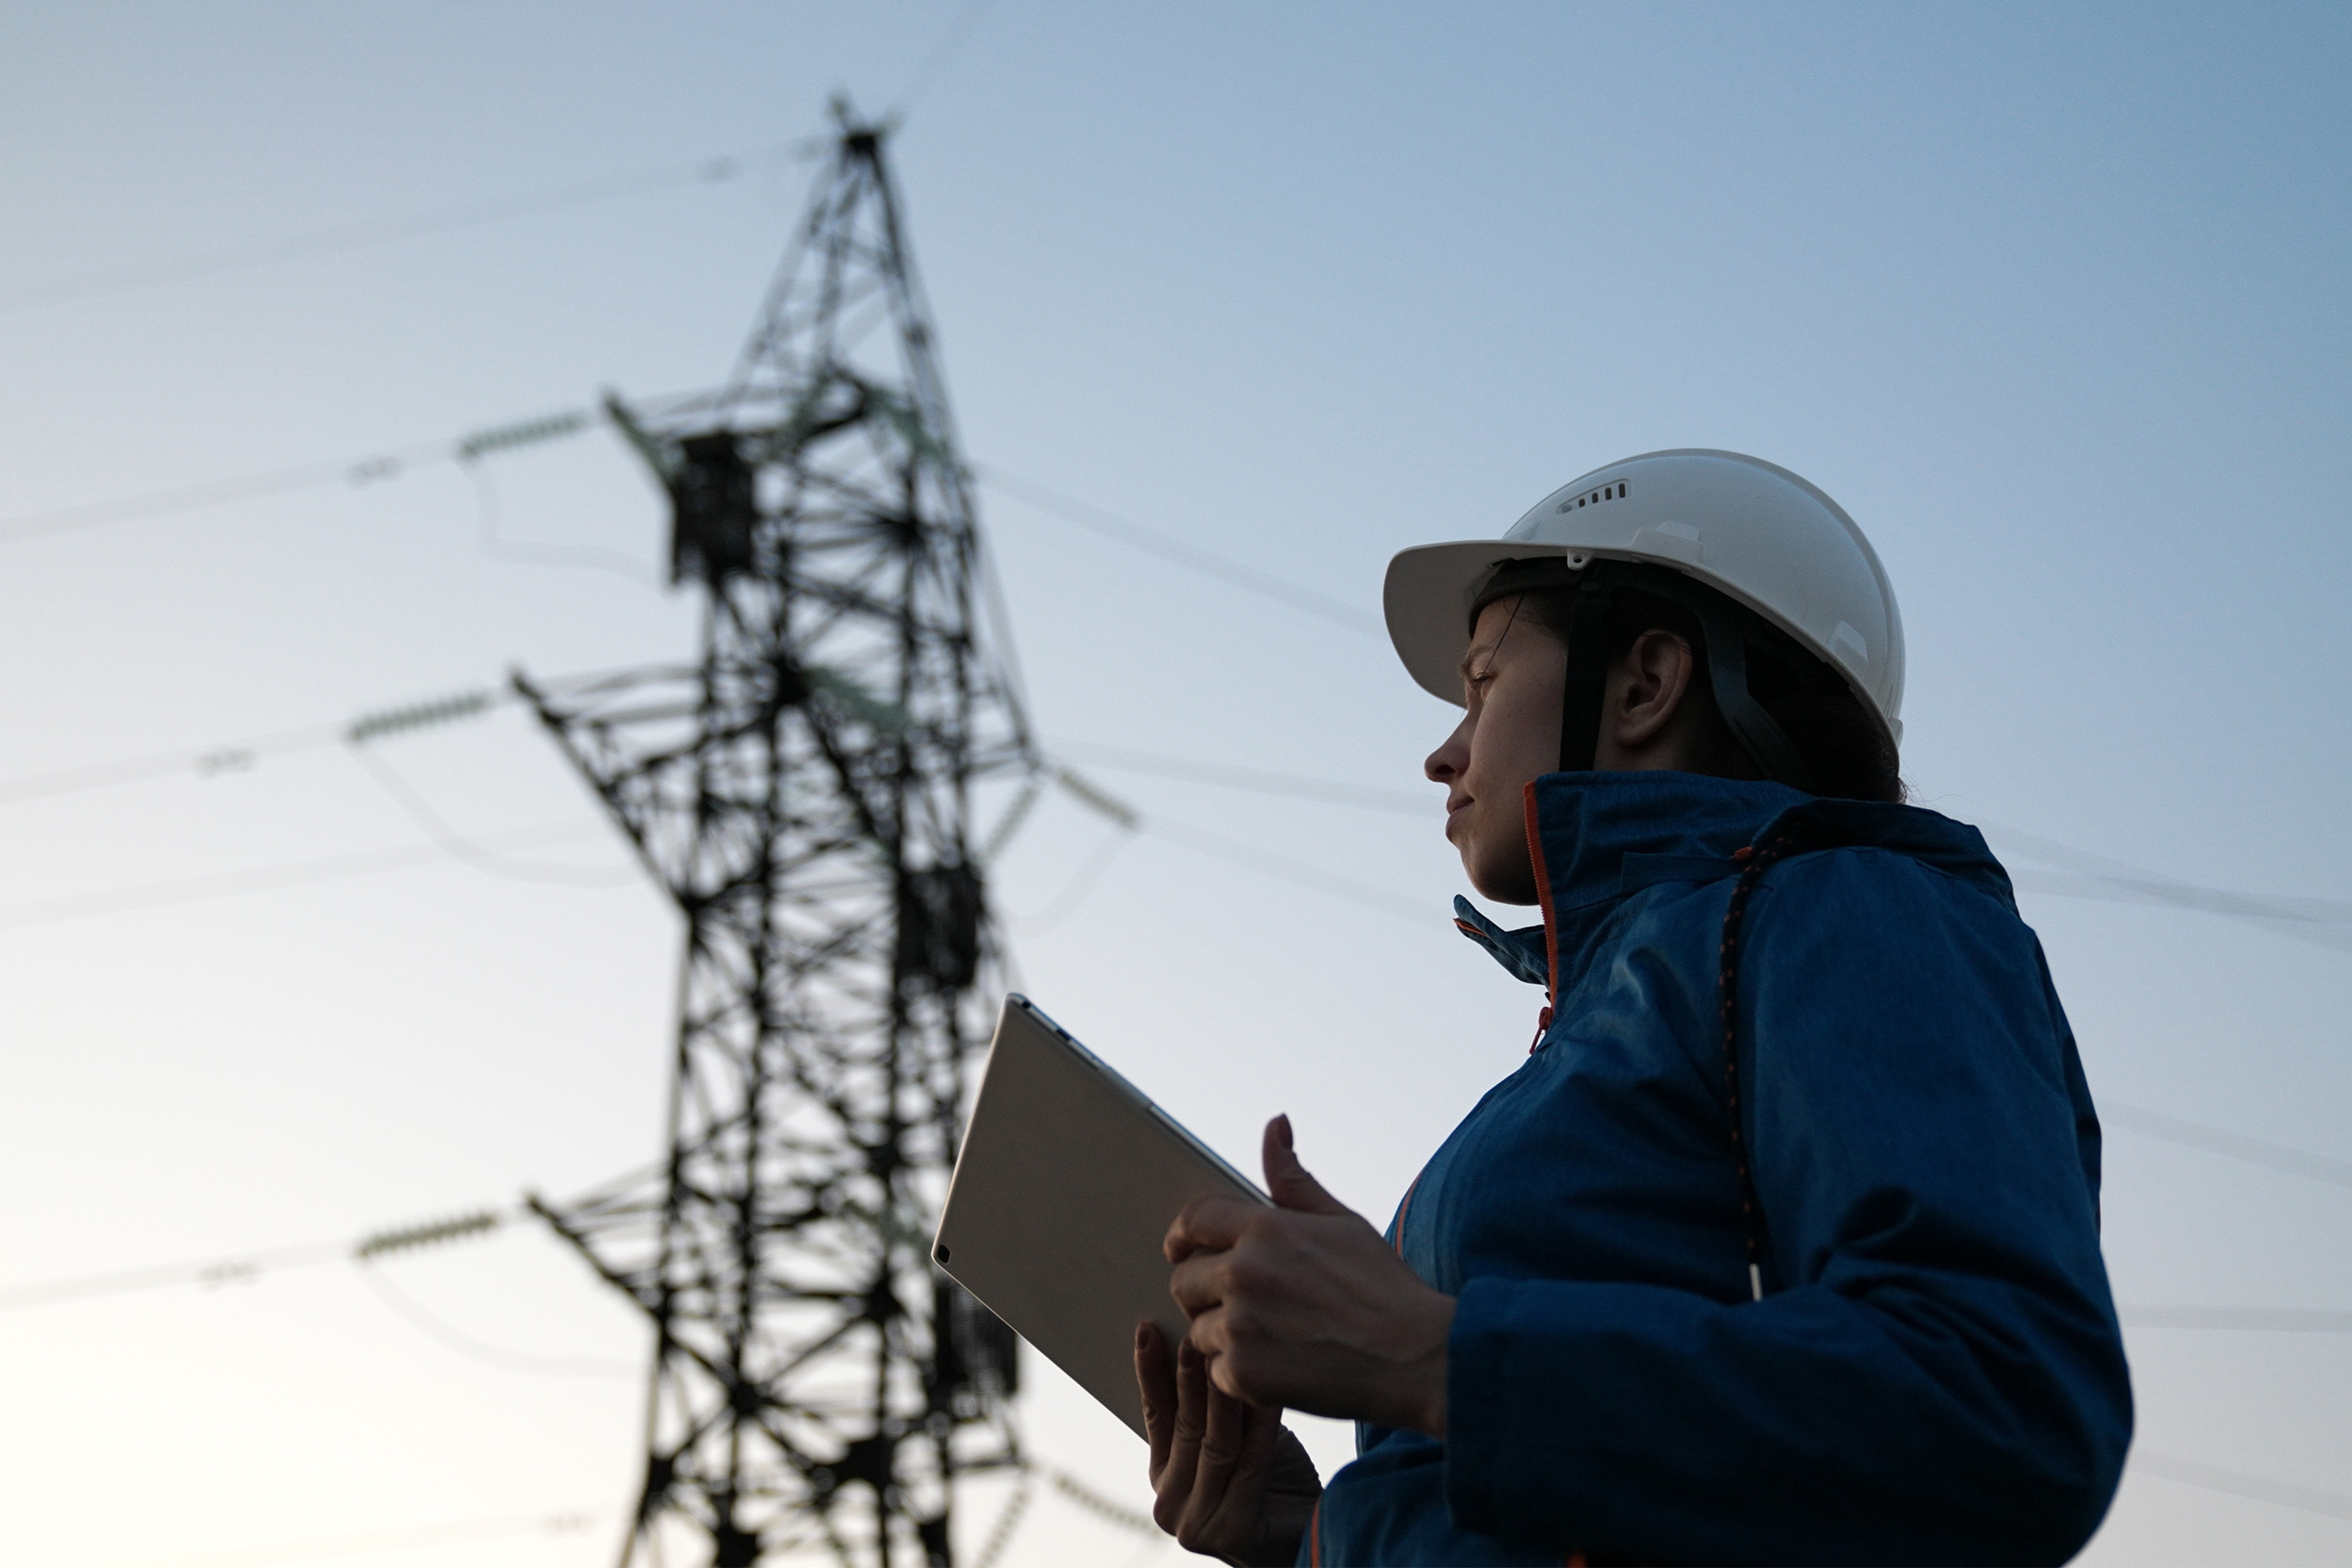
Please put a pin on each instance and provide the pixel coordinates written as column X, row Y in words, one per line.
column 1587, row 676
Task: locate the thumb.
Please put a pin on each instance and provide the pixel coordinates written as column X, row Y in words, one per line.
column 1287, row 1179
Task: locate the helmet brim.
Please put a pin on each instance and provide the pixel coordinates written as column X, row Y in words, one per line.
column 1426, row 601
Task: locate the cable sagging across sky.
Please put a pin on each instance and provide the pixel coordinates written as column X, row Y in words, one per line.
column 340, row 238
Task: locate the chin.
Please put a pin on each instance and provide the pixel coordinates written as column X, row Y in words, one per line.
column 1494, row 889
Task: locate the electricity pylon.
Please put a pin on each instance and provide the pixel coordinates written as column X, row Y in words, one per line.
column 804, row 794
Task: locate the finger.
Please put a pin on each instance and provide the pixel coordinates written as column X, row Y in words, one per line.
column 1220, row 1450
column 1155, row 1376
column 1198, row 1283
column 1240, row 1493
column 1265, row 1432
column 1211, row 1336
column 1244, row 1372
column 1206, row 1223
column 1287, row 1181
column 1174, row 1485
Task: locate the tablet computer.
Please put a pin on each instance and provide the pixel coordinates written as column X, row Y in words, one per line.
column 1065, row 1187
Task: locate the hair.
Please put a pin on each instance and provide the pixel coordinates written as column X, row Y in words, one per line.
column 1840, row 743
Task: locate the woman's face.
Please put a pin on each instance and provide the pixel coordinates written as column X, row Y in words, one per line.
column 1512, row 679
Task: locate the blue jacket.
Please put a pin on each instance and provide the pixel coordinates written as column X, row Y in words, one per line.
column 1934, row 1374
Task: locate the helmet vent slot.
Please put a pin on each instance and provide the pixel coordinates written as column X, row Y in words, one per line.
column 1615, row 491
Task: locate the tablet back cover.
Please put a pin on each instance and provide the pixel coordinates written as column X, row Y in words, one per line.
column 1065, row 1186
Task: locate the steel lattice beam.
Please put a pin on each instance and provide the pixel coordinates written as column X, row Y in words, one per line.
column 804, row 794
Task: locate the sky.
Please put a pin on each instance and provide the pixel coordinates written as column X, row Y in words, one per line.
column 2052, row 299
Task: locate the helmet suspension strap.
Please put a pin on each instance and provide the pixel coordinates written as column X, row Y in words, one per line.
column 1585, row 680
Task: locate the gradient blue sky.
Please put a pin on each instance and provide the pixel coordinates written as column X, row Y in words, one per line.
column 2053, row 299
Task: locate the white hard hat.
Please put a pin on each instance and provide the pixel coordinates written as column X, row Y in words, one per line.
column 1753, row 531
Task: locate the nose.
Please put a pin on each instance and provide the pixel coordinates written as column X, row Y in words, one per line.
column 1445, row 764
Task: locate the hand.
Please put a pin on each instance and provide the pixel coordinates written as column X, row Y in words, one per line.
column 1232, row 1481
column 1303, row 1306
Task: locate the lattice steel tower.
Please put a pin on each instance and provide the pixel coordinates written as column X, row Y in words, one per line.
column 804, row 792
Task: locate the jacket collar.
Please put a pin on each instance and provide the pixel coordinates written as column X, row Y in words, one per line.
column 1600, row 837
column 1521, row 953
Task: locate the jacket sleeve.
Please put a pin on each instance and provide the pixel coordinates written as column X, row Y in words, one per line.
column 1935, row 1374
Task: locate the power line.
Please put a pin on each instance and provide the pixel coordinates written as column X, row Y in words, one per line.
column 2140, row 886
column 368, row 468
column 1066, row 902
column 289, row 874
column 2167, row 1467
column 1282, row 867
column 1169, row 547
column 2212, row 1478
column 2220, row 1141
column 2327, row 922
column 246, row 1267
column 2095, row 876
column 492, row 544
column 474, row 853
column 483, row 856
column 233, row 756
column 450, row 1336
column 341, row 238
column 571, row 1521
column 2322, row 928
column 1258, row 781
column 1305, row 874
column 357, row 735
column 2246, row 1320
column 205, row 760
column 238, row 756
column 566, row 1521
column 238, row 1269
column 392, row 463
column 943, row 53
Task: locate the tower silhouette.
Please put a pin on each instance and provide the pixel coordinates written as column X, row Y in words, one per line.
column 804, row 792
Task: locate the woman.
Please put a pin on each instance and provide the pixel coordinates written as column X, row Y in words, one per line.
column 1782, row 1245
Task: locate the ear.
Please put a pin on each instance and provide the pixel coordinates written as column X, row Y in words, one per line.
column 1646, row 688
